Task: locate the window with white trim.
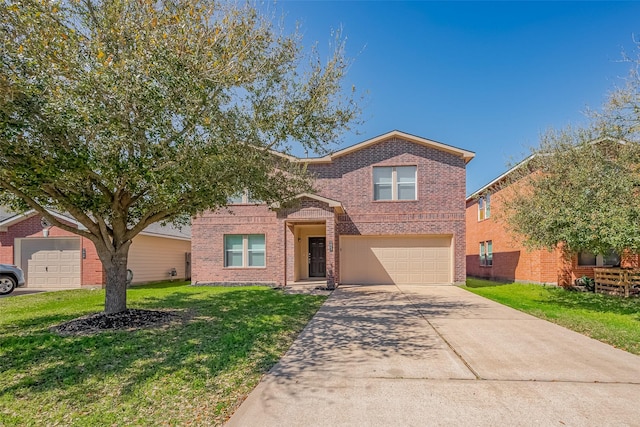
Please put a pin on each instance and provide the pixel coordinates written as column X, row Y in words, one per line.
column 243, row 198
column 486, row 253
column 588, row 259
column 244, row 250
column 394, row 183
column 484, row 207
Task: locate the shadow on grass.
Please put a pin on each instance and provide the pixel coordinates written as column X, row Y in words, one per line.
column 595, row 302
column 227, row 327
column 561, row 297
column 159, row 285
column 481, row 283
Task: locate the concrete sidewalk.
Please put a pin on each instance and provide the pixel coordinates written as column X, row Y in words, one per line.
column 439, row 355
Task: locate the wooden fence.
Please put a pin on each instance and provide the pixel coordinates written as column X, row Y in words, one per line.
column 619, row 281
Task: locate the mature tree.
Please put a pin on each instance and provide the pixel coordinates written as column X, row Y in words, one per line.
column 126, row 113
column 581, row 187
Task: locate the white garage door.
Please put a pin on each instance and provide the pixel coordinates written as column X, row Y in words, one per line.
column 51, row 262
column 398, row 259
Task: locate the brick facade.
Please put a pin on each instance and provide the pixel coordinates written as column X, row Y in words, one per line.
column 511, row 260
column 438, row 210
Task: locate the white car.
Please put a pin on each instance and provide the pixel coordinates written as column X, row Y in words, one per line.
column 11, row 277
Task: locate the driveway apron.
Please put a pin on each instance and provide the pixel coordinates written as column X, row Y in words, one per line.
column 439, row 355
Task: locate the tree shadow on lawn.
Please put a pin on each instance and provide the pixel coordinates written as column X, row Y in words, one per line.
column 159, row 285
column 225, row 329
column 595, row 302
column 482, row 283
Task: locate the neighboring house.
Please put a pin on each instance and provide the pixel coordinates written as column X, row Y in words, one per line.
column 55, row 258
column 387, row 210
column 494, row 253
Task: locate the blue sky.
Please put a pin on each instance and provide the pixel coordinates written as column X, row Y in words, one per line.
column 489, row 77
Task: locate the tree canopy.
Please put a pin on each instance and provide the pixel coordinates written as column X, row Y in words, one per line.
column 581, row 187
column 125, row 113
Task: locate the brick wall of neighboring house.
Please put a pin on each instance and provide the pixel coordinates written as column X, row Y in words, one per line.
column 511, row 260
column 570, row 270
column 439, row 209
column 91, row 268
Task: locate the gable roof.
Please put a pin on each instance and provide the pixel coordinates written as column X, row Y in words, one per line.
column 5, row 214
column 11, row 218
column 336, row 205
column 464, row 154
column 525, row 161
column 168, row 231
column 8, row 218
column 330, row 202
column 484, row 188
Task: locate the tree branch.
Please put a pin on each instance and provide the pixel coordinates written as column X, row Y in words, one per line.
column 105, row 232
column 146, row 221
column 97, row 180
column 45, row 213
column 78, row 214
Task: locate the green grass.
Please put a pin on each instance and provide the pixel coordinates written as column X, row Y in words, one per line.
column 195, row 373
column 609, row 319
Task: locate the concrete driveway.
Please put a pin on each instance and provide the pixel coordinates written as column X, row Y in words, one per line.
column 25, row 291
column 439, row 355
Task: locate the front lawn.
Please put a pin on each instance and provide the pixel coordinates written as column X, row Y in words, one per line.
column 192, row 373
column 609, row 319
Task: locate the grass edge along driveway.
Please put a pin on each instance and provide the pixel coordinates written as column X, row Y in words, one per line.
column 610, row 319
column 194, row 373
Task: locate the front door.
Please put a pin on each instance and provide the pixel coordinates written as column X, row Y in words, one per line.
column 317, row 254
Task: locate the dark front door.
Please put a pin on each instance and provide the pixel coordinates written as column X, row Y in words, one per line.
column 317, row 254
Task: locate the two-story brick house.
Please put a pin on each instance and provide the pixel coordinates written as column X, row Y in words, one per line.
column 494, row 253
column 386, row 210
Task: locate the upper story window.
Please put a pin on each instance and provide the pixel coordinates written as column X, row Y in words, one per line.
column 394, row 183
column 484, row 207
column 243, row 198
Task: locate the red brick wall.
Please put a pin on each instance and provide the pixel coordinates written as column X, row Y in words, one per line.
column 441, row 179
column 511, row 260
column 439, row 208
column 570, row 270
column 207, row 245
column 92, row 273
column 348, row 179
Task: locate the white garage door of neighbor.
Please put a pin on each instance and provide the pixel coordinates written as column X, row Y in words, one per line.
column 51, row 262
column 395, row 260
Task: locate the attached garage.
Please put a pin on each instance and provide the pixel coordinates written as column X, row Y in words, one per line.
column 50, row 262
column 406, row 260
column 54, row 258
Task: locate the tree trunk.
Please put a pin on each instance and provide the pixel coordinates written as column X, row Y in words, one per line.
column 115, row 267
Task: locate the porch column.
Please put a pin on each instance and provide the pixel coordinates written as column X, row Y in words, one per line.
column 289, row 261
column 332, row 252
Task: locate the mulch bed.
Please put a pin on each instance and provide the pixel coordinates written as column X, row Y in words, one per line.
column 128, row 320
